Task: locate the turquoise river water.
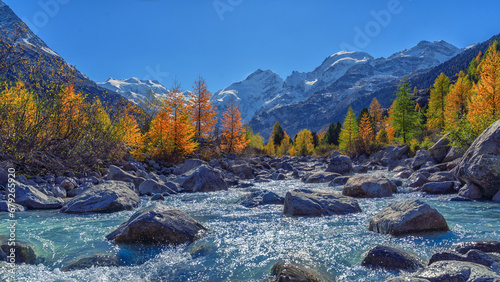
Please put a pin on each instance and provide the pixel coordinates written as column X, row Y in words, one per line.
column 243, row 243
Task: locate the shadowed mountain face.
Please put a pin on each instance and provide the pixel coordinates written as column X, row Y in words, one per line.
column 37, row 54
column 314, row 99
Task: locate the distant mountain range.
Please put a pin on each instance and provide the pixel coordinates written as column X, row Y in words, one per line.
column 314, row 99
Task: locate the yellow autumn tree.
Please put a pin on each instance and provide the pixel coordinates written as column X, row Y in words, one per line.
column 484, row 107
column 233, row 136
column 203, row 113
column 304, row 143
column 270, row 147
column 437, row 103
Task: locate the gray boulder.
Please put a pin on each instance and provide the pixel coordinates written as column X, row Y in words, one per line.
column 242, row 169
column 304, row 202
column 203, row 179
column 421, row 157
column 340, row 164
column 394, row 153
column 446, row 187
column 150, row 187
column 452, row 271
column 117, row 174
column 408, row 217
column 288, row 271
column 496, row 198
column 391, row 258
column 369, row 187
column 158, row 224
column 32, row 198
column 5, row 206
column 93, row 261
column 481, row 163
column 188, row 165
column 107, row 197
column 320, row 177
column 418, row 178
column 4, row 177
column 68, row 184
column 470, row 191
column 440, row 149
column 453, row 154
column 58, row 192
column 260, row 197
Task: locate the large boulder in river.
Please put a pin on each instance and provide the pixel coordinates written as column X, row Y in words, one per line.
column 476, row 256
column 107, row 197
column 481, row 162
column 408, row 217
column 158, row 224
column 304, row 202
column 203, row 179
column 320, row 177
column 117, row 174
column 31, row 198
column 391, row 258
column 340, row 164
column 452, row 271
column 369, row 187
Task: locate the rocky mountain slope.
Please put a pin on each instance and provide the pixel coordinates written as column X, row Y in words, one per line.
column 37, row 53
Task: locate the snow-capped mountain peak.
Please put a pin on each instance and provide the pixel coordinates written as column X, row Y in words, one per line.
column 134, row 89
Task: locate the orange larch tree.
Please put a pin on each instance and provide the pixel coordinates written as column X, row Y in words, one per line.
column 233, row 136
column 203, row 113
column 376, row 114
column 484, row 108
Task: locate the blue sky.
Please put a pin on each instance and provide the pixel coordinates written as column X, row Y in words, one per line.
column 225, row 40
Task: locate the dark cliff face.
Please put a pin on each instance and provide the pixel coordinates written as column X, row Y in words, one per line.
column 36, row 53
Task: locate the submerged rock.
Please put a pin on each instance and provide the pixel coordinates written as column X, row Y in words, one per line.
column 474, row 256
column 23, row 253
column 391, row 258
column 289, row 271
column 369, row 187
column 452, row 271
column 408, row 217
column 93, row 261
column 303, row 202
column 260, row 197
column 158, row 224
column 484, row 246
column 107, row 197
